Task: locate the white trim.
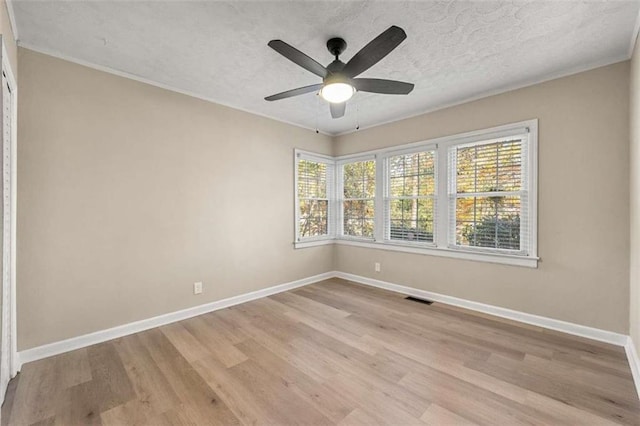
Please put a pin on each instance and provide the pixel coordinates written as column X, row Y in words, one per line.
column 56, row 348
column 340, row 199
column 14, row 218
column 314, row 243
column 528, row 134
column 544, row 322
column 487, row 94
column 12, row 19
column 431, row 250
column 488, row 134
column 73, row 343
column 491, row 133
column 634, row 36
column 532, row 157
column 11, row 305
column 302, row 242
column 139, row 79
column 634, row 362
column 441, row 245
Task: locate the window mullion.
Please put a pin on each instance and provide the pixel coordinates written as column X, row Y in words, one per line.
column 339, row 201
column 379, row 204
column 442, row 205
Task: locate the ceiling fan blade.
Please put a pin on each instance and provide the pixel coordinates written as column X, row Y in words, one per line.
column 387, row 87
column 297, row 57
column 294, row 92
column 373, row 52
column 337, row 110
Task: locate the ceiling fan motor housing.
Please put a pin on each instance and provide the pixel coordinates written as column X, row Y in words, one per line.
column 336, row 46
column 336, row 77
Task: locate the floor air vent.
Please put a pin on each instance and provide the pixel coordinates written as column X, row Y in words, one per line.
column 416, row 299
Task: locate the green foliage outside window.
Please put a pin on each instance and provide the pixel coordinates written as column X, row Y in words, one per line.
column 313, row 203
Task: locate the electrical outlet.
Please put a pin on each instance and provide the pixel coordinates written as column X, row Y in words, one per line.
column 377, row 266
column 197, row 288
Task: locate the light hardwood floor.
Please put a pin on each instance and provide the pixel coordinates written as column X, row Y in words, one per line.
column 331, row 353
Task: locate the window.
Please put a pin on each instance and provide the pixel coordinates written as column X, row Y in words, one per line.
column 314, row 181
column 358, row 198
column 469, row 196
column 488, row 196
column 410, row 202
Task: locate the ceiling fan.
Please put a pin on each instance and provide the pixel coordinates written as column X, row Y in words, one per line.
column 338, row 79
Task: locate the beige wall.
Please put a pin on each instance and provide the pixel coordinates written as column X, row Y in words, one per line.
column 634, row 299
column 583, row 202
column 128, row 194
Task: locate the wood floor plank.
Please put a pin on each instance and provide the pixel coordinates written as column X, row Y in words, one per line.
column 621, row 408
column 235, row 395
column 331, row 353
column 272, row 393
column 205, row 406
column 232, row 333
column 436, row 415
column 380, row 401
column 359, row 417
column 314, row 366
column 214, row 341
column 472, row 402
column 79, row 404
column 184, row 341
column 327, row 401
column 8, row 404
column 152, row 388
column 108, row 375
column 37, row 383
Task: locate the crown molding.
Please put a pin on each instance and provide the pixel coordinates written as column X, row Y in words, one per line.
column 124, row 74
column 499, row 91
column 482, row 95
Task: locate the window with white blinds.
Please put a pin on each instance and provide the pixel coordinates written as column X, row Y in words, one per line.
column 410, row 202
column 358, row 198
column 470, row 196
column 315, row 176
column 488, row 206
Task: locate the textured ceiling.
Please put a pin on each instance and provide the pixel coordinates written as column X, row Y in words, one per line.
column 455, row 50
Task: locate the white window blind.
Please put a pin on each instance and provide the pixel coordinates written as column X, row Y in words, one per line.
column 410, row 199
column 314, row 188
column 358, row 198
column 488, row 197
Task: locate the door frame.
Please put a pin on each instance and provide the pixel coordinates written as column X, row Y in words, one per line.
column 14, row 364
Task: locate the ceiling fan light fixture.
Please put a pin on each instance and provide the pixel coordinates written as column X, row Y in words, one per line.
column 336, row 93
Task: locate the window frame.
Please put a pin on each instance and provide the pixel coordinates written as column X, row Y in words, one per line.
column 386, row 177
column 327, row 238
column 340, row 163
column 452, row 195
column 442, row 244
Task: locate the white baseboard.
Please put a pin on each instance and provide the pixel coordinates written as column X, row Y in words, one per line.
column 83, row 341
column 634, row 362
column 553, row 324
column 62, row 346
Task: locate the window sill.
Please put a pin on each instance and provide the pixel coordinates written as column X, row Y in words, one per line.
column 505, row 259
column 314, row 243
